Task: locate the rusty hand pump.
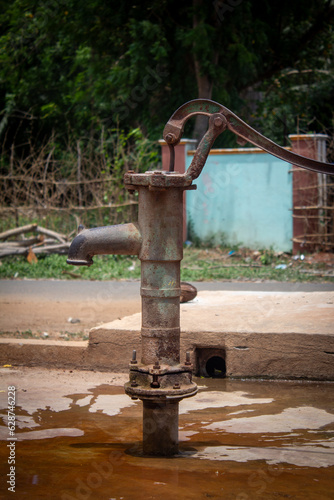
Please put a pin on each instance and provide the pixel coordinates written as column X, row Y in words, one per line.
column 160, row 379
column 220, row 119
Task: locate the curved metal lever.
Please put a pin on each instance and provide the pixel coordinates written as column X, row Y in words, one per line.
column 221, row 118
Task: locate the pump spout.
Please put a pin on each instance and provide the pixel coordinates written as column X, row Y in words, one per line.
column 122, row 239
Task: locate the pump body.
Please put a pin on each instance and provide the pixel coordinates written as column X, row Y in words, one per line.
column 160, row 379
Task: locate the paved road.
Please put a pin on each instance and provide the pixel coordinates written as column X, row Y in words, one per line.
column 122, row 290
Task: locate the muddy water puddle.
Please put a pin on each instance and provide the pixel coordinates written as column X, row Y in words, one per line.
column 79, row 437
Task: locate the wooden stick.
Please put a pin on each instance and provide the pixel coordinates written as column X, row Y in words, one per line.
column 53, row 234
column 21, row 243
column 55, row 183
column 69, row 209
column 18, row 230
column 37, row 250
column 13, row 251
column 51, row 248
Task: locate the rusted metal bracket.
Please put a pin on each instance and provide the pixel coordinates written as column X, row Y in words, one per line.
column 165, row 382
column 220, row 119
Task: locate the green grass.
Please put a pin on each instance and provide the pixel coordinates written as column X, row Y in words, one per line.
column 107, row 267
column 197, row 265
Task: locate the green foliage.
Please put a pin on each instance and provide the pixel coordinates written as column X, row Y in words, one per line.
column 215, row 240
column 267, row 256
column 88, row 66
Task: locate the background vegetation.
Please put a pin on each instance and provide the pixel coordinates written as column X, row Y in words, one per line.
column 75, row 68
column 87, row 87
column 198, row 264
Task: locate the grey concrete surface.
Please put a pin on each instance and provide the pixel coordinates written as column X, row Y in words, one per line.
column 258, row 334
column 275, row 330
column 249, row 311
column 120, row 290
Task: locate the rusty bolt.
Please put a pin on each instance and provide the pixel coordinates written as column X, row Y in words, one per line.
column 170, row 138
column 134, row 356
column 155, row 383
column 156, row 365
column 176, row 385
column 218, row 122
column 188, row 362
column 131, row 189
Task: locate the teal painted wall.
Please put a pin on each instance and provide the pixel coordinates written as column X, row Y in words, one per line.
column 243, row 198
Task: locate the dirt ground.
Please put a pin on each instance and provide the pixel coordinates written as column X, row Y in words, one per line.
column 61, row 320
column 68, row 310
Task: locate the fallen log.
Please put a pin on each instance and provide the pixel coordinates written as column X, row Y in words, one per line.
column 52, row 248
column 47, row 249
column 32, row 228
column 28, row 242
column 18, row 230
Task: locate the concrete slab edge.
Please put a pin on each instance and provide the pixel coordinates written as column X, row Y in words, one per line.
column 255, row 355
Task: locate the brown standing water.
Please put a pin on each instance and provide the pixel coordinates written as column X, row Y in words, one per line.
column 79, row 437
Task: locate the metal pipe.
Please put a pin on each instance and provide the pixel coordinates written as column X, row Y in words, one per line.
column 161, row 225
column 122, row 239
column 159, row 380
column 160, row 428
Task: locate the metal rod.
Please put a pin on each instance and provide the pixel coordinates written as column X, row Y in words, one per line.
column 171, row 157
column 160, row 428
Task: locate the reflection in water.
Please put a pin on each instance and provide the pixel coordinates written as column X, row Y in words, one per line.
column 239, row 440
column 304, row 417
column 303, row 456
column 49, row 433
column 219, row 400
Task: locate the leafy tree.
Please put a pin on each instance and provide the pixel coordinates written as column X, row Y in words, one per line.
column 82, row 67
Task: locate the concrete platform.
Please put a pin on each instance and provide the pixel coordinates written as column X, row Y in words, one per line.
column 255, row 334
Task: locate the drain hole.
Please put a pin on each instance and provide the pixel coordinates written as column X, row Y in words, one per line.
column 216, row 367
column 210, row 362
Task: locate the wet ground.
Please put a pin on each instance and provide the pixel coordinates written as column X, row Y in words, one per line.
column 79, row 437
